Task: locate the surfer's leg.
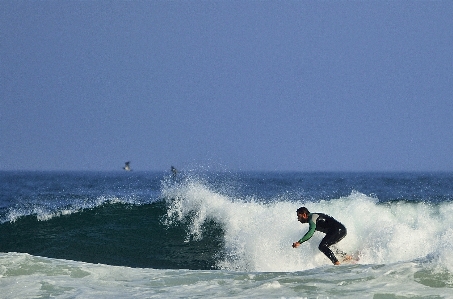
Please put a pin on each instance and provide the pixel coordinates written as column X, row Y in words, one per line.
column 325, row 249
column 330, row 239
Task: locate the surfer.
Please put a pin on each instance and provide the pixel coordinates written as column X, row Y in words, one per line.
column 174, row 171
column 334, row 230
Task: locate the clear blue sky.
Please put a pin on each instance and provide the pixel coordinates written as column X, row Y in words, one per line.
column 236, row 85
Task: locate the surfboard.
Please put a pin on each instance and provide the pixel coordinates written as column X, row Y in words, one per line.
column 346, row 258
column 349, row 259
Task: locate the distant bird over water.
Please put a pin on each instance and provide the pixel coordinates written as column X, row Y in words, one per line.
column 126, row 166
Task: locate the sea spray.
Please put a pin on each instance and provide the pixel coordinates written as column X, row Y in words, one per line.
column 258, row 234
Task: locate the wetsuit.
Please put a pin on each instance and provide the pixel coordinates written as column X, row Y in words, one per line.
column 334, row 230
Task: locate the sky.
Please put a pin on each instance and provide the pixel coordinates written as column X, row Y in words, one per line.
column 226, row 85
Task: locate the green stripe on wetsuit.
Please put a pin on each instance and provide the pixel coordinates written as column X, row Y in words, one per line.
column 311, row 228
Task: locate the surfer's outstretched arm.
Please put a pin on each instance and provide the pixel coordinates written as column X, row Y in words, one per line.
column 308, row 235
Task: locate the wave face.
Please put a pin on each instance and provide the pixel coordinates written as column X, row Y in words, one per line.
column 114, row 234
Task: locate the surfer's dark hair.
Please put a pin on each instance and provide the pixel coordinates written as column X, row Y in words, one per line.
column 303, row 210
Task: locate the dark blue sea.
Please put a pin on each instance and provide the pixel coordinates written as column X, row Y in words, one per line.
column 201, row 234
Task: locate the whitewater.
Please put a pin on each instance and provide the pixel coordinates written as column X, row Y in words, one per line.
column 223, row 235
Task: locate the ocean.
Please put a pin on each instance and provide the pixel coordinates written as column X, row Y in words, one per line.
column 208, row 234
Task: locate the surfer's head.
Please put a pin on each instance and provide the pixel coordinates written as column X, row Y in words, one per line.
column 302, row 214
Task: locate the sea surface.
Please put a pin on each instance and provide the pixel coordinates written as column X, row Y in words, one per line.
column 206, row 234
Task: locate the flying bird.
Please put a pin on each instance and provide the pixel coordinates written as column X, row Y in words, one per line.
column 126, row 166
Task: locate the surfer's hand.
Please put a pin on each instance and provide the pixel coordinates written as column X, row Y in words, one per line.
column 296, row 244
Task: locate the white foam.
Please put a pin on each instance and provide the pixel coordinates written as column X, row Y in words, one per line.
column 26, row 276
column 44, row 212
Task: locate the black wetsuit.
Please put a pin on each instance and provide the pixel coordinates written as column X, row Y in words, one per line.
column 334, row 230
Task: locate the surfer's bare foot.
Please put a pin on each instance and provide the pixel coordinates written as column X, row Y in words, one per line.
column 337, row 263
